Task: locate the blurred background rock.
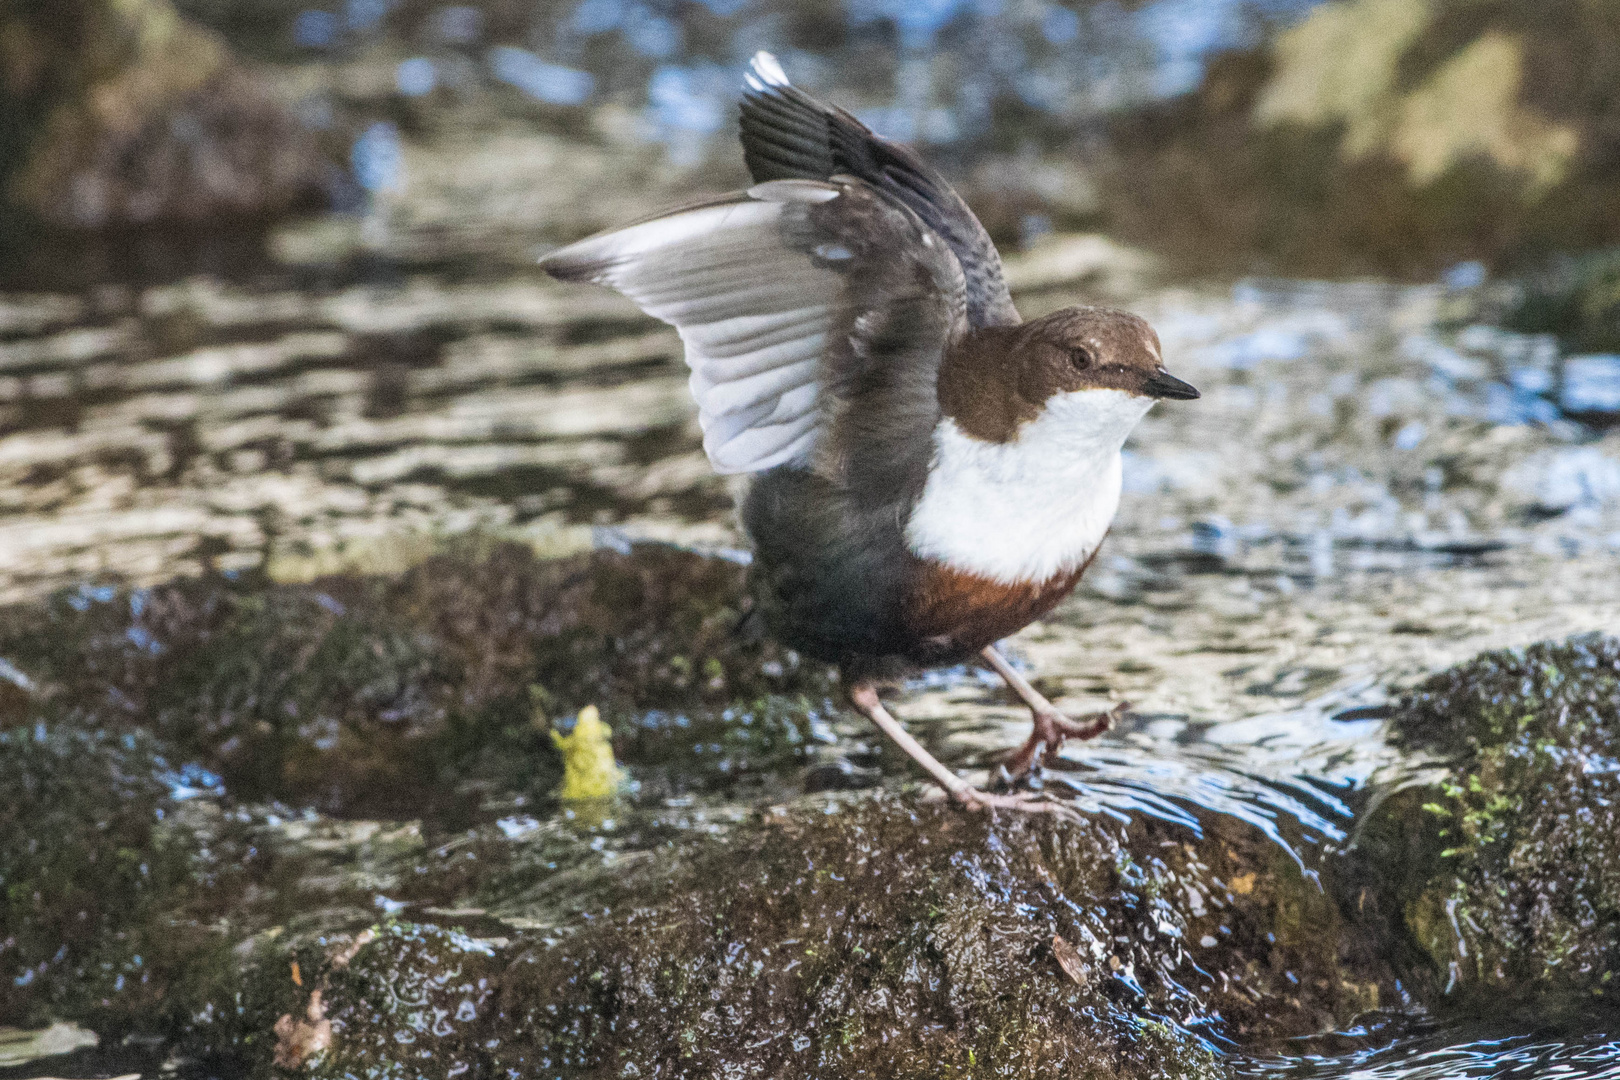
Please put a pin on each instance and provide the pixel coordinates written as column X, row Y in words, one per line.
column 121, row 112
column 1395, row 137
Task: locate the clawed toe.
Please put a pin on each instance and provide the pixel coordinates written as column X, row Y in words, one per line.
column 1051, row 730
column 971, row 798
column 1088, row 728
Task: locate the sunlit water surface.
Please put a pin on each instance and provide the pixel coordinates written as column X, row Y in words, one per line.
column 1371, row 489
column 1361, row 497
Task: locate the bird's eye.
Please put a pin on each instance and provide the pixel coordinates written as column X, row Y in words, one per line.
column 1080, row 358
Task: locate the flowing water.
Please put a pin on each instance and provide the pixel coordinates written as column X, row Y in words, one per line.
column 1373, row 487
column 1361, row 497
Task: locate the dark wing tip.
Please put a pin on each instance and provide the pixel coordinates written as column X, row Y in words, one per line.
column 566, row 264
column 784, row 131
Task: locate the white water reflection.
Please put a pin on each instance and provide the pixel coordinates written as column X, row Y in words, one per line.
column 1434, row 1056
column 1292, row 765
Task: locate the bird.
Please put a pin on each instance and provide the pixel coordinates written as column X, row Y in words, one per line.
column 926, row 472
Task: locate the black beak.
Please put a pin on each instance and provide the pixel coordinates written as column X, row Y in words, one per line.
column 1162, row 384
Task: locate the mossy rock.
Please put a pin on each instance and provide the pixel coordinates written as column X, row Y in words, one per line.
column 1507, row 869
column 879, row 937
column 418, row 694
column 877, row 933
column 403, row 1000
column 120, row 907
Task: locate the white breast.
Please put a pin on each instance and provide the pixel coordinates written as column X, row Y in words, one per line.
column 1030, row 508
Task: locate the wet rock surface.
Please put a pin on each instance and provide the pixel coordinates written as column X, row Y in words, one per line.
column 712, row 919
column 908, row 938
column 170, row 755
column 358, row 695
column 1507, row 867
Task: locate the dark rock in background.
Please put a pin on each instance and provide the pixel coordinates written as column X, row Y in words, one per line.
column 1386, row 136
column 125, row 114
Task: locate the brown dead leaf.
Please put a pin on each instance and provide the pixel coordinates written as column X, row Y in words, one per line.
column 342, row 958
column 1069, row 959
column 299, row 1040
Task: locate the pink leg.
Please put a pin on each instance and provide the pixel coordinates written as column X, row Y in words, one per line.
column 864, row 697
column 1051, row 728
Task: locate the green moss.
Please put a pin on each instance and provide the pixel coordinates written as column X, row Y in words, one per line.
column 898, row 939
column 873, row 935
column 413, row 695
column 119, row 907
column 79, row 861
column 885, row 939
column 1507, row 869
column 135, row 912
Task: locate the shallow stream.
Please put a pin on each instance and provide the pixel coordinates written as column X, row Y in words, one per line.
column 1373, row 487
column 1364, row 495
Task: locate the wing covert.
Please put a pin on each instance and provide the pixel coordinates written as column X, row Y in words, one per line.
column 778, row 294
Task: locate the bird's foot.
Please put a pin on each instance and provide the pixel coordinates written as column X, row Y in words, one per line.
column 1051, row 730
column 1030, row 802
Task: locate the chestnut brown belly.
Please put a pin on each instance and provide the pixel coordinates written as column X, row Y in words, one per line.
column 951, row 614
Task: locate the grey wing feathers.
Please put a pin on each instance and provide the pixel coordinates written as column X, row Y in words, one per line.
column 787, row 134
column 761, row 286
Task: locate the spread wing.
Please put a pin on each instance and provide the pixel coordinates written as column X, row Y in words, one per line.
column 787, row 134
column 791, row 298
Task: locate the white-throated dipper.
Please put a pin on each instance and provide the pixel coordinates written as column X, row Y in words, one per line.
column 930, row 473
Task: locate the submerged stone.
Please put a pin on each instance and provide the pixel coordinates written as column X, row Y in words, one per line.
column 1506, row 871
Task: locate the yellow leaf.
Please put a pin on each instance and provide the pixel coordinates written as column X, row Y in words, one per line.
column 589, row 771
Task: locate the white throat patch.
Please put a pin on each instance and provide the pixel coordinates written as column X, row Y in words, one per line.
column 1027, row 509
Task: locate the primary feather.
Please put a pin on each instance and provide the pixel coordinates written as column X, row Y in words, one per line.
column 787, row 134
column 752, row 310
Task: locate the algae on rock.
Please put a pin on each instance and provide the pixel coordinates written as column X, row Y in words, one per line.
column 883, row 936
column 398, row 696
column 840, row 936
column 122, row 907
column 1507, row 869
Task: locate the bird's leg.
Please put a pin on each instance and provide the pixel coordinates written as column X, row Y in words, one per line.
column 1051, row 728
column 864, row 696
